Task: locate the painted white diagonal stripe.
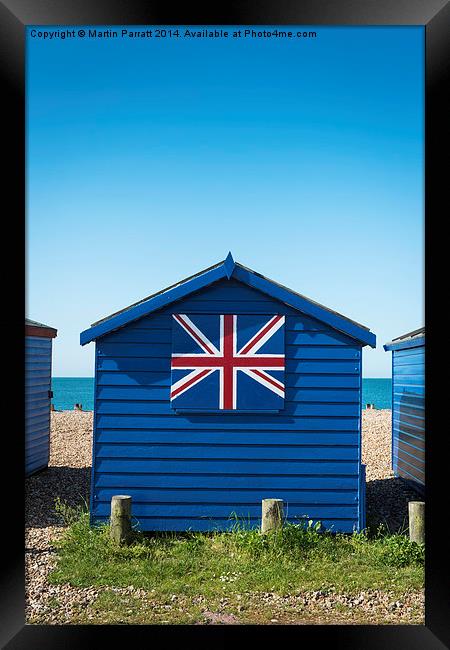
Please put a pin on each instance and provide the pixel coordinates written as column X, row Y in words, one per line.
column 190, row 380
column 251, row 348
column 265, row 380
column 196, row 334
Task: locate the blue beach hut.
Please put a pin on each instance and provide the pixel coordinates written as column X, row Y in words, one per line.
column 222, row 390
column 408, row 407
column 38, row 377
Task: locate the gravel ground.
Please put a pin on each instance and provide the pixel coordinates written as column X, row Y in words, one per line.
column 68, row 478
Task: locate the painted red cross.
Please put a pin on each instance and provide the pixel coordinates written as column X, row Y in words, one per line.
column 227, row 360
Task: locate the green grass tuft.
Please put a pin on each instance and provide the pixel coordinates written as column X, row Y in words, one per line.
column 293, row 559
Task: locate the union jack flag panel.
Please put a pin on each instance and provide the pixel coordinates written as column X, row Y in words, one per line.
column 228, row 362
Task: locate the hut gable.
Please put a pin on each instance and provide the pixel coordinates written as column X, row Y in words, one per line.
column 231, row 270
column 192, row 470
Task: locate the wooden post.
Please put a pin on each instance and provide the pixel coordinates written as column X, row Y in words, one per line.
column 272, row 514
column 121, row 519
column 416, row 512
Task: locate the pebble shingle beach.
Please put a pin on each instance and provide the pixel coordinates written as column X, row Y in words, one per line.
column 68, row 478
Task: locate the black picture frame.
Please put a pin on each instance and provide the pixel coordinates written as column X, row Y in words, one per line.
column 15, row 15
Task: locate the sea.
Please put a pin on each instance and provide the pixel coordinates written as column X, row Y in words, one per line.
column 68, row 391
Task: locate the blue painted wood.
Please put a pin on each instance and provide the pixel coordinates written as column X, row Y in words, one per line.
column 231, row 437
column 213, row 510
column 230, row 466
column 227, row 422
column 215, row 482
column 156, row 393
column 38, row 353
column 110, row 407
column 340, row 525
column 151, row 378
column 245, row 496
column 336, row 321
column 246, row 276
column 157, row 364
column 213, row 451
column 144, row 350
column 404, row 345
column 311, row 446
column 408, row 410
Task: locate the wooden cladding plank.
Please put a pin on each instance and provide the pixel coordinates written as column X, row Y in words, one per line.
column 232, row 466
column 37, row 445
column 410, row 398
column 412, row 461
column 227, row 421
column 411, row 420
column 38, row 434
column 226, row 495
column 302, row 409
column 231, row 437
column 413, row 450
column 127, row 364
column 413, row 370
column 163, row 320
column 196, row 306
column 212, row 510
column 405, row 362
column 134, row 378
column 181, row 524
column 419, row 432
column 140, row 335
column 35, row 363
column 218, row 481
column 400, row 465
column 163, row 379
column 162, row 336
column 164, row 350
column 404, row 407
column 151, row 393
column 410, row 352
column 416, row 441
column 37, row 389
column 33, row 374
column 412, row 383
column 226, row 452
column 37, row 412
column 38, row 342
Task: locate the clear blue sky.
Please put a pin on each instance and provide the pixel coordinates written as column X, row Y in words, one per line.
column 150, row 159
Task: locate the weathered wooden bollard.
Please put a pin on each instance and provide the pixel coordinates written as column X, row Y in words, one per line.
column 272, row 514
column 416, row 512
column 121, row 518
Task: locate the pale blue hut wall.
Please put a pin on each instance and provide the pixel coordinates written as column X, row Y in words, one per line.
column 408, row 407
column 38, row 360
column 408, row 414
column 193, row 471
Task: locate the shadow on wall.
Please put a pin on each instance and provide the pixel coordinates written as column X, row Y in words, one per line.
column 387, row 503
column 70, row 484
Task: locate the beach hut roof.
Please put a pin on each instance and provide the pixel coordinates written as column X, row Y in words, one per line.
column 33, row 328
column 227, row 268
column 412, row 339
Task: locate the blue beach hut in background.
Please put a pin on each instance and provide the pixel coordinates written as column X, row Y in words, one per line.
column 408, row 407
column 38, row 378
column 222, row 390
